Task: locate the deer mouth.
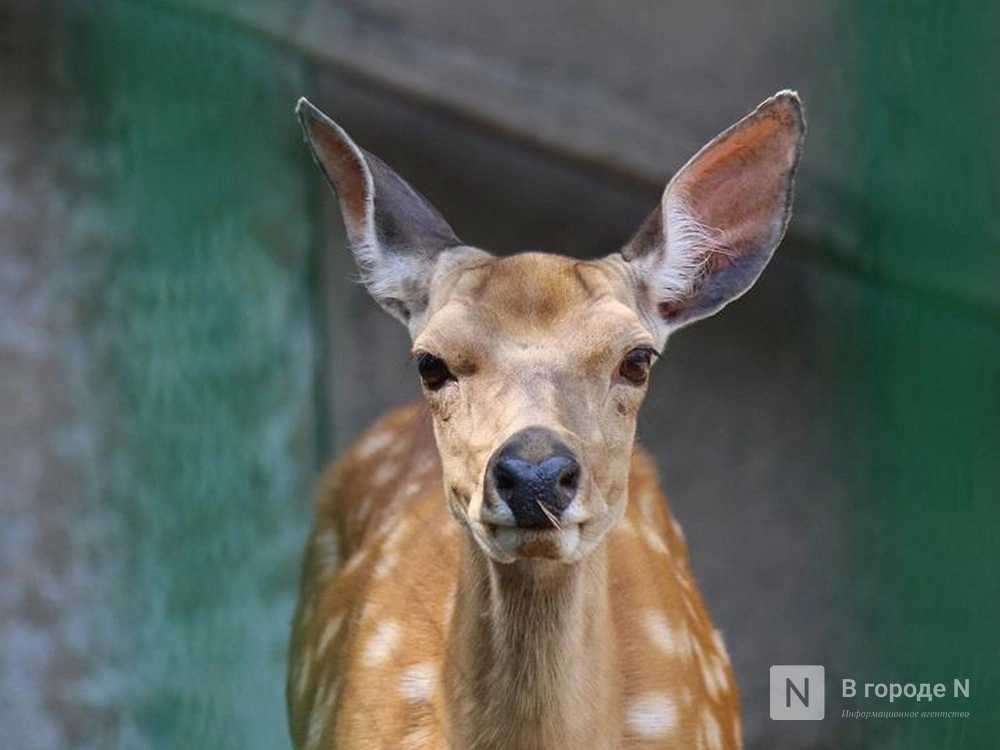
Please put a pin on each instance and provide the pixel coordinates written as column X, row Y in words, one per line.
column 545, row 543
column 507, row 543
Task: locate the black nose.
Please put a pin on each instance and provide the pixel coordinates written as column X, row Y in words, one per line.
column 536, row 475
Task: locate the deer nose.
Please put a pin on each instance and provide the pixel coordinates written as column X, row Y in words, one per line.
column 536, row 475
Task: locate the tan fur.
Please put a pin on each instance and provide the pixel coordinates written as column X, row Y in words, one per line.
column 530, row 654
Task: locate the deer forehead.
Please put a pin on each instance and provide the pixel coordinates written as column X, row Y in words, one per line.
column 559, row 313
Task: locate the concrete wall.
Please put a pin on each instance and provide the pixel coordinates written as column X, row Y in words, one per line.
column 633, row 87
column 158, row 399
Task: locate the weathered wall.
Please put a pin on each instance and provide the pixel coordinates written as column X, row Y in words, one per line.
column 160, row 429
column 633, row 87
column 60, row 646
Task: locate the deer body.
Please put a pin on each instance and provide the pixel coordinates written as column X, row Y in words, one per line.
column 497, row 568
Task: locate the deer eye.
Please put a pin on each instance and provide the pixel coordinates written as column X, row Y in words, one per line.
column 635, row 366
column 433, row 371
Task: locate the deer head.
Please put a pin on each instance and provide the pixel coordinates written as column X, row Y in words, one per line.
column 534, row 366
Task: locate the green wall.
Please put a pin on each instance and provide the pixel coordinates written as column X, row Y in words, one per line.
column 206, row 337
column 927, row 503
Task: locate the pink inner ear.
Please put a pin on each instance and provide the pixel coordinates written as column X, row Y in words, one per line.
column 737, row 184
column 345, row 170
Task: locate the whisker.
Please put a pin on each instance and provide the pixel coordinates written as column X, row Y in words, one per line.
column 548, row 514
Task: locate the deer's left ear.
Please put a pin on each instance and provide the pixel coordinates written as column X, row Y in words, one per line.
column 720, row 218
column 398, row 238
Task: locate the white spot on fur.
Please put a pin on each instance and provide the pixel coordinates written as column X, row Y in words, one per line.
column 398, row 532
column 716, row 679
column 327, row 547
column 425, row 465
column 713, row 667
column 449, row 606
column 418, row 739
column 374, row 443
column 317, row 724
column 398, row 446
column 321, row 709
column 708, row 677
column 385, row 565
column 683, row 578
column 626, row 526
column 418, row 682
column 369, row 611
column 390, row 558
column 329, row 632
column 660, row 632
column 385, row 472
column 686, row 643
column 688, row 596
column 678, row 531
column 304, row 667
column 711, row 732
column 355, row 561
column 363, row 507
column 720, row 644
column 652, row 715
column 654, row 541
column 382, row 644
column 699, row 652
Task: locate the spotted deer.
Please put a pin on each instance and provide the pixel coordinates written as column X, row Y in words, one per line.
column 497, row 567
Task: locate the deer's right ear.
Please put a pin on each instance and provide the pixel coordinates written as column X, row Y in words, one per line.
column 398, row 238
column 720, row 218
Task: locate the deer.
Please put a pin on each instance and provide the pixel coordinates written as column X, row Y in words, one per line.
column 496, row 567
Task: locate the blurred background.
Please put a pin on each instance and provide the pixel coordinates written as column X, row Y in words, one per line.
column 182, row 346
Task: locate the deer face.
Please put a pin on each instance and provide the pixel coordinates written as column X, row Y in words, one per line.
column 534, row 366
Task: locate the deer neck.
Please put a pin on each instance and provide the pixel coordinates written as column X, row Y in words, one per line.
column 531, row 654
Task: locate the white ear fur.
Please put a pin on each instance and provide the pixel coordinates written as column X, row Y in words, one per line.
column 688, row 243
column 720, row 218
